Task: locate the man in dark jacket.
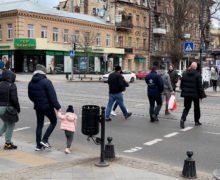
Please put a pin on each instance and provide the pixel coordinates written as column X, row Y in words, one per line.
column 192, row 91
column 8, row 96
column 173, row 76
column 42, row 93
column 155, row 88
column 116, row 86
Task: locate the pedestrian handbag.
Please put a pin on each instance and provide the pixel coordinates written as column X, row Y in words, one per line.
column 172, row 103
column 11, row 114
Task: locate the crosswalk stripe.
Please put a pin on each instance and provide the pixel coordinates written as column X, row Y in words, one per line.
column 153, row 142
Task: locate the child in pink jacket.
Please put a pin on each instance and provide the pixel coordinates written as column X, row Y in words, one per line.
column 68, row 124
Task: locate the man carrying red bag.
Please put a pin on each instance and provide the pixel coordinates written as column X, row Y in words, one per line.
column 192, row 91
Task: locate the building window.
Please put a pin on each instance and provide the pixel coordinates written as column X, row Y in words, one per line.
column 120, row 41
column 145, row 22
column 77, row 36
column 9, row 31
column 66, row 35
column 108, row 40
column 144, row 43
column 30, row 30
column 137, row 20
column 98, row 39
column 55, row 34
column 81, row 1
column 44, row 32
column 129, row 42
column 0, row 32
column 87, row 38
column 137, row 43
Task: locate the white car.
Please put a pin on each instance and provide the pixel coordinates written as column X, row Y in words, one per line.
column 129, row 76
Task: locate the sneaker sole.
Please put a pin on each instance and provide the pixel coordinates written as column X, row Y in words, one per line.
column 44, row 145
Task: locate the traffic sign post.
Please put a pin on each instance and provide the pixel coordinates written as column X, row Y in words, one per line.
column 188, row 47
column 72, row 53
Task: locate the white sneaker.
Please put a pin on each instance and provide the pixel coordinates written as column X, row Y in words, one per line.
column 113, row 113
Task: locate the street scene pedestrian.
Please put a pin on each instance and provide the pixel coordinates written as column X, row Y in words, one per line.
column 167, row 87
column 6, row 63
column 214, row 77
column 155, row 88
column 173, row 76
column 1, row 69
column 42, row 93
column 192, row 91
column 8, row 97
column 68, row 124
column 116, row 87
column 116, row 104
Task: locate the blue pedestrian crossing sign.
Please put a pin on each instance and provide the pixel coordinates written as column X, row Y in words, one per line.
column 188, row 47
column 72, row 53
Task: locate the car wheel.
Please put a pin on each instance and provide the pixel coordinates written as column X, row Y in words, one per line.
column 132, row 80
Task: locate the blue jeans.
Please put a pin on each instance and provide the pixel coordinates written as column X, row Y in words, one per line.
column 119, row 99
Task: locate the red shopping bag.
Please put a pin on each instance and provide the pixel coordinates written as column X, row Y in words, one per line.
column 172, row 103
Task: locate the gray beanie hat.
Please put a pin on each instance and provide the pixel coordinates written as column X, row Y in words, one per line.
column 40, row 67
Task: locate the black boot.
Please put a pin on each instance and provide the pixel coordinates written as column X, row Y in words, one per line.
column 9, row 146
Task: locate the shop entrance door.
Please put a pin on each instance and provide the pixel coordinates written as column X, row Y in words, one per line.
column 18, row 61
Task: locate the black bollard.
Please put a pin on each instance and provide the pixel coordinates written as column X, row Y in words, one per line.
column 189, row 168
column 109, row 149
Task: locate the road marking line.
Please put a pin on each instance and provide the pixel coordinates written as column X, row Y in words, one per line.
column 186, row 129
column 21, row 129
column 212, row 133
column 128, row 151
column 46, row 123
column 171, row 135
column 133, row 149
column 153, row 142
column 139, row 105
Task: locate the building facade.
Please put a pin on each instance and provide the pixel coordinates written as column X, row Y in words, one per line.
column 34, row 34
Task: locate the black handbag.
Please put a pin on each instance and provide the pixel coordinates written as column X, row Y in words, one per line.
column 11, row 114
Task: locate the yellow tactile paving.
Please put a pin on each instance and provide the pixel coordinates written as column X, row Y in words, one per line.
column 25, row 158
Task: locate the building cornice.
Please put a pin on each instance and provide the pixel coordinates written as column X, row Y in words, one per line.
column 54, row 18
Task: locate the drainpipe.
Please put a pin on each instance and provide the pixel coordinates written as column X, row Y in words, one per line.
column 71, row 6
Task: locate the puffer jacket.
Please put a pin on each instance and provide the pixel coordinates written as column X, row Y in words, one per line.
column 68, row 121
column 8, row 77
column 42, row 93
column 191, row 85
column 173, row 77
column 167, row 86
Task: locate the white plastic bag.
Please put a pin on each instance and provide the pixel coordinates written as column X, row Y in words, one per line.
column 172, row 103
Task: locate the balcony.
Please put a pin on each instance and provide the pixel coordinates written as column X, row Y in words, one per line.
column 159, row 31
column 128, row 50
column 123, row 22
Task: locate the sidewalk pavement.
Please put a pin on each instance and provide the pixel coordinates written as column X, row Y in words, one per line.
column 26, row 164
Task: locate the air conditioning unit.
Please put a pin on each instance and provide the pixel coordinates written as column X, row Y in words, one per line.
column 101, row 13
column 107, row 18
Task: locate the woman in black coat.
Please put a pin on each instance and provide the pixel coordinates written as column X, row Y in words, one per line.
column 8, row 95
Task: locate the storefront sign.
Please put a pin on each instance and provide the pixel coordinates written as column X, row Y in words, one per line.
column 141, row 60
column 25, row 43
column 5, row 46
column 89, row 49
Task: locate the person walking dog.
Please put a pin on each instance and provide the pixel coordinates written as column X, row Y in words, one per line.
column 42, row 93
column 8, row 97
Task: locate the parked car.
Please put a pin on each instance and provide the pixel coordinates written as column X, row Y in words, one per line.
column 142, row 74
column 129, row 76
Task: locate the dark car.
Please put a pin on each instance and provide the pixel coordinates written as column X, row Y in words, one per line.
column 142, row 74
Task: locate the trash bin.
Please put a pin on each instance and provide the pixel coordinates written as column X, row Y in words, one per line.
column 90, row 119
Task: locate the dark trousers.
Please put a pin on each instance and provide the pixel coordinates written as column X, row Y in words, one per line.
column 69, row 138
column 51, row 115
column 187, row 105
column 115, row 106
column 153, row 109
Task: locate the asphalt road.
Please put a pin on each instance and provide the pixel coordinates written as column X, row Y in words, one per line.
column 162, row 142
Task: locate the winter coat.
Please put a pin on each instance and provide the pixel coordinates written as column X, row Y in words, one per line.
column 173, row 77
column 8, row 78
column 214, row 74
column 42, row 93
column 68, row 121
column 191, row 85
column 167, row 86
column 117, row 83
column 155, row 84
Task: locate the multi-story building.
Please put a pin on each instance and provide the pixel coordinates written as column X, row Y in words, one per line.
column 31, row 34
column 131, row 19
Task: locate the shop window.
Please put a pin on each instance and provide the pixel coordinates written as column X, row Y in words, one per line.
column 9, row 31
column 66, row 35
column 129, row 42
column 43, row 32
column 108, row 40
column 120, row 41
column 87, row 38
column 55, row 34
column 77, row 36
column 137, row 43
column 30, row 30
column 0, row 32
column 98, row 39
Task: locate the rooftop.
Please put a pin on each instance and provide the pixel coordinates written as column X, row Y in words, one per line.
column 29, row 6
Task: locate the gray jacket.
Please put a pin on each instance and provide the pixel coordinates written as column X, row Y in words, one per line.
column 166, row 81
